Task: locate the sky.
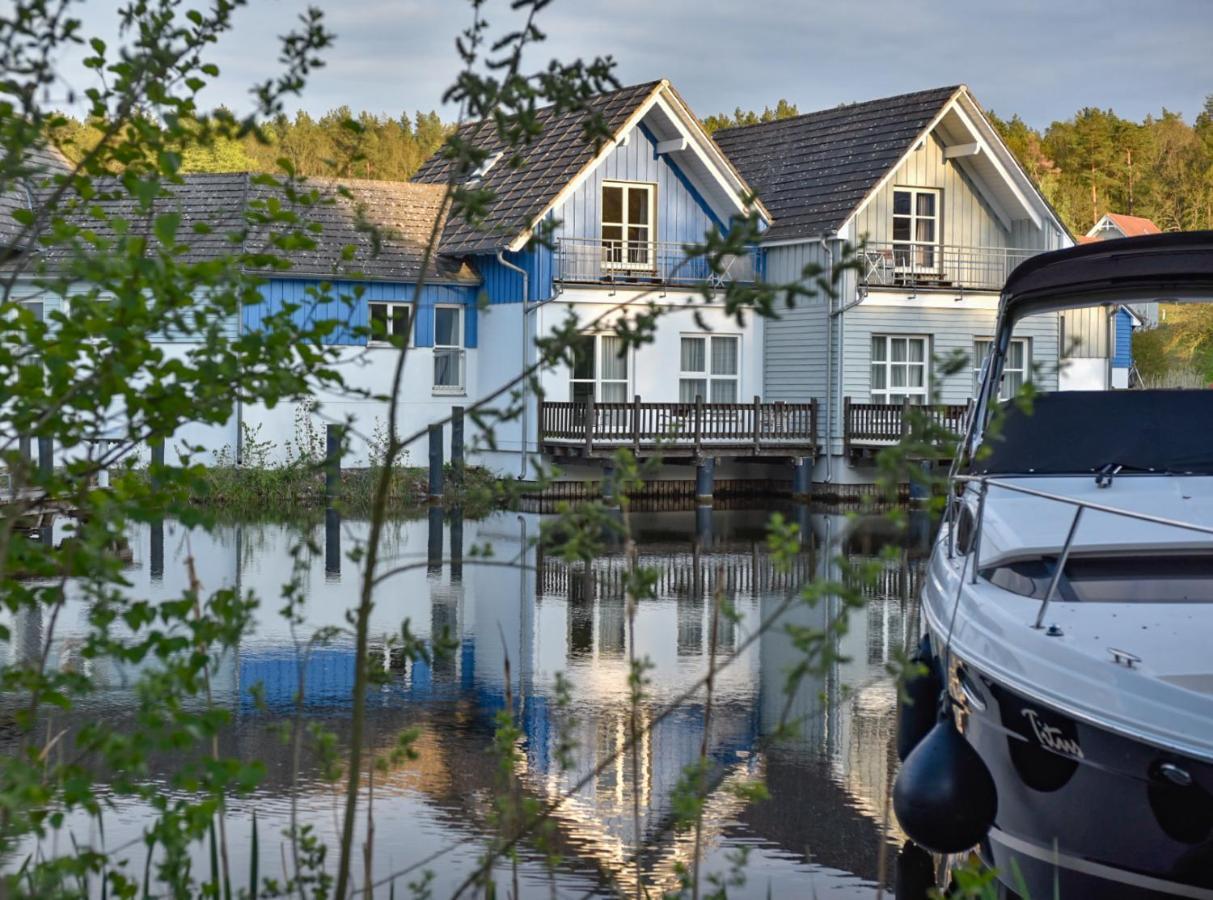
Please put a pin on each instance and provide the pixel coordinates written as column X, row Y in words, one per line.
column 1042, row 59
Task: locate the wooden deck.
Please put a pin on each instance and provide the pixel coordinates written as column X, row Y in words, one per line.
column 869, row 427
column 596, row 430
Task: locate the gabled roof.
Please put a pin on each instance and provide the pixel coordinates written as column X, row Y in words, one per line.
column 404, row 215
column 813, row 171
column 1129, row 226
column 559, row 152
column 17, row 191
column 561, row 155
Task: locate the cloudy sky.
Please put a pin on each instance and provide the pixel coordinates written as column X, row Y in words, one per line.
column 1041, row 58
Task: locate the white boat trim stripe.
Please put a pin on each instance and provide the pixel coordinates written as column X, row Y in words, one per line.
column 1099, row 870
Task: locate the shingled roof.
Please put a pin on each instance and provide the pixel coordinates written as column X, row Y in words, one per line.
column 559, row 152
column 812, row 171
column 404, row 215
column 17, row 191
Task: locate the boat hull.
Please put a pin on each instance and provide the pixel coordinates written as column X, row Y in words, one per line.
column 1083, row 811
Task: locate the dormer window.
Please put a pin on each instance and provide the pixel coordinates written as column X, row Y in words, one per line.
column 627, row 225
column 916, row 229
column 483, row 169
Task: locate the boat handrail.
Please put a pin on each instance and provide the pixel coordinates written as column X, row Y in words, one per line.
column 986, row 482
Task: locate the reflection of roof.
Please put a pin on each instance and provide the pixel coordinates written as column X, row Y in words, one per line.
column 549, row 162
column 812, row 171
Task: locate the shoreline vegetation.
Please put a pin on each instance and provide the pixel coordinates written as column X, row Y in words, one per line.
column 299, row 488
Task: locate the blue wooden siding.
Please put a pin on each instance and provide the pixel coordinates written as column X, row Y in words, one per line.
column 1123, row 357
column 504, row 285
column 343, row 305
column 682, row 213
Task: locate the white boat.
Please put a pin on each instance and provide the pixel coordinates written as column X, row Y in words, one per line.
column 1069, row 614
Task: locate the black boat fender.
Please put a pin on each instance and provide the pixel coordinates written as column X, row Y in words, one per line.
column 944, row 796
column 918, row 707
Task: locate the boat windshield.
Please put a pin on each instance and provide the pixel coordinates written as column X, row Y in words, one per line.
column 1120, row 579
column 1079, row 432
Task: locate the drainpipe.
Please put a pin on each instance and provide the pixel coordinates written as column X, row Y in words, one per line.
column 842, row 331
column 829, row 252
column 525, row 400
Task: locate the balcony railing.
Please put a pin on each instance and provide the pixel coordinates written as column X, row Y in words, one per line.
column 599, row 428
column 875, row 425
column 596, row 261
column 944, row 266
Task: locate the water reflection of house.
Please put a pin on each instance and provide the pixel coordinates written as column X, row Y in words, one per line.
column 554, row 616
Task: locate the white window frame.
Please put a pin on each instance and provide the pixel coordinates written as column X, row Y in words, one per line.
column 596, row 378
column 914, row 255
column 456, row 350
column 979, row 360
column 915, row 394
column 390, row 305
column 623, row 256
column 706, row 375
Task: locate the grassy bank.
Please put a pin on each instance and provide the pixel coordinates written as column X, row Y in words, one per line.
column 277, row 489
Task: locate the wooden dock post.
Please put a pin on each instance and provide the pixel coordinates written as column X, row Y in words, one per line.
column 705, row 477
column 433, row 555
column 608, row 483
column 457, row 445
column 456, row 545
column 332, row 462
column 435, row 463
column 589, row 426
column 332, row 544
column 157, row 538
column 802, row 477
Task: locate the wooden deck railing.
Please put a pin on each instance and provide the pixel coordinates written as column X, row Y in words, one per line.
column 757, row 428
column 867, row 425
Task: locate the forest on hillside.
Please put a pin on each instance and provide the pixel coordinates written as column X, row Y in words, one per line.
column 1091, row 163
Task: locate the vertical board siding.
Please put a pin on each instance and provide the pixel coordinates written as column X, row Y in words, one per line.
column 503, row 285
column 965, row 218
column 343, row 304
column 1085, row 333
column 682, row 213
column 1123, row 358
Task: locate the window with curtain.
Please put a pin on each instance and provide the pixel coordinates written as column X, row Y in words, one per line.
column 448, row 349
column 899, row 369
column 1015, row 373
column 627, row 225
column 600, row 369
column 710, row 368
column 916, row 229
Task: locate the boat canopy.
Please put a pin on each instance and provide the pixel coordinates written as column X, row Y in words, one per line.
column 1073, row 432
column 1164, row 267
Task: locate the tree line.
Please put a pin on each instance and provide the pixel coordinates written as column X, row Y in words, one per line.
column 340, row 142
column 1092, row 163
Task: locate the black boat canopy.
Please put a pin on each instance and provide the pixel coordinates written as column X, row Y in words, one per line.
column 1078, row 432
column 1130, row 270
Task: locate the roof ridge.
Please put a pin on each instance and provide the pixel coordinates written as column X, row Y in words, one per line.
column 845, row 107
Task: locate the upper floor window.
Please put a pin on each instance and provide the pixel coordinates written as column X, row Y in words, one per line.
column 710, row 368
column 899, row 368
column 627, row 225
column 600, row 369
column 389, row 324
column 448, row 349
column 916, row 229
column 1016, row 371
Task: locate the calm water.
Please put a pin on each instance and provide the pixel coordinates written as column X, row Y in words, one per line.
column 823, row 830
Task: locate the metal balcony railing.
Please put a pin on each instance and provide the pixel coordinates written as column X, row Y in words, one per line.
column 945, row 266
column 596, row 261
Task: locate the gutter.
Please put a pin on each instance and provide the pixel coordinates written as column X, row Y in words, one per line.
column 522, row 471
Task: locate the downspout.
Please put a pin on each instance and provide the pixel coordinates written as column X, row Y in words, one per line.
column 836, row 401
column 829, row 252
column 522, row 471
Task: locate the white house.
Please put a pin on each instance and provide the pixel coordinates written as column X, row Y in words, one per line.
column 943, row 213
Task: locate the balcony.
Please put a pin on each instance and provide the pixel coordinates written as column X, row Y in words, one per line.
column 869, row 427
column 598, row 429
column 644, row 263
column 950, row 267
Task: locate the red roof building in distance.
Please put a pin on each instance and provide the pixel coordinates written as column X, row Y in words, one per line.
column 1116, row 225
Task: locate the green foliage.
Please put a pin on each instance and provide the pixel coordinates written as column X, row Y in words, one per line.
column 1097, row 162
column 379, row 147
column 783, row 110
